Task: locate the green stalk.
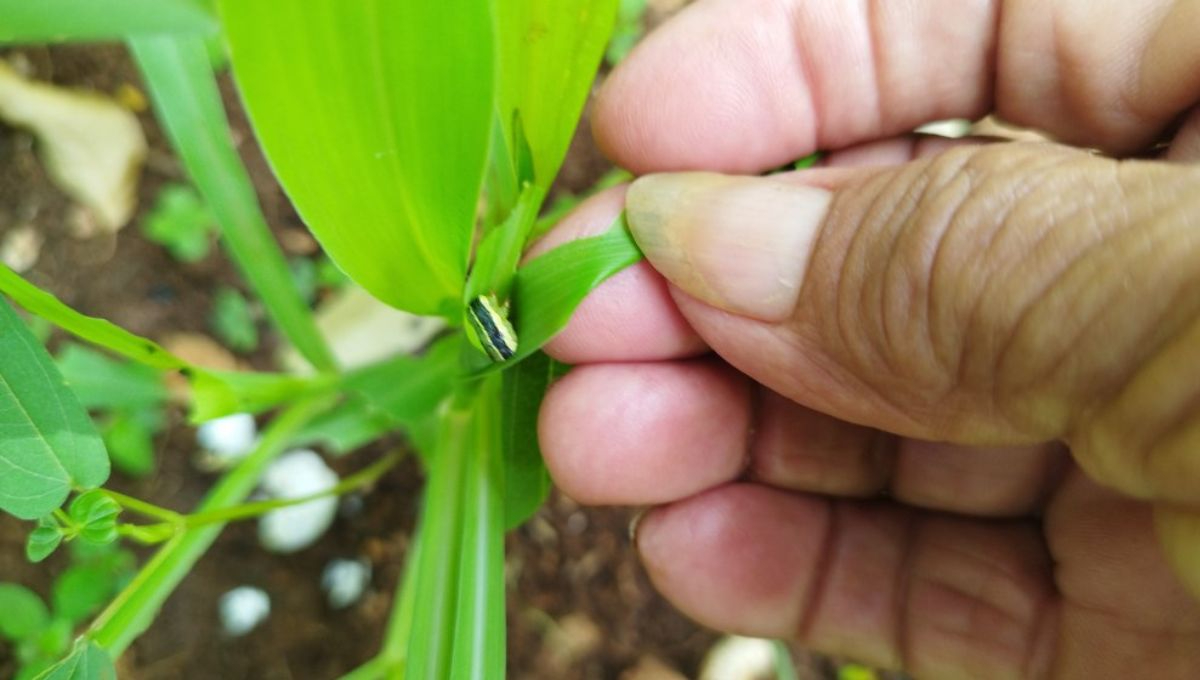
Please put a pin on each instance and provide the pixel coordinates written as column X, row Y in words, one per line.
column 173, row 522
column 181, row 83
column 430, row 645
column 479, row 633
column 133, row 610
column 458, row 614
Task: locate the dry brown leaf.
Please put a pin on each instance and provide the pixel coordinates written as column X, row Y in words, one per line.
column 92, row 147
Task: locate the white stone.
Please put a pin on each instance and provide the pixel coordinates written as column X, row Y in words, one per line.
column 345, row 581
column 295, row 475
column 739, row 658
column 242, row 609
column 228, row 439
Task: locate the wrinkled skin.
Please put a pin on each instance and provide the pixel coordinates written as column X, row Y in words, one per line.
column 1032, row 308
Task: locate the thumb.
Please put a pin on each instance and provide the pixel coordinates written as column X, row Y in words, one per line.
column 999, row 294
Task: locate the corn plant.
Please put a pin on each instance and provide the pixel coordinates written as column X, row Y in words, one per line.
column 418, row 141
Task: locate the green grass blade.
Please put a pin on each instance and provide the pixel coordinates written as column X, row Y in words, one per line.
column 132, row 612
column 479, row 627
column 42, row 21
column 181, row 83
column 48, row 445
column 376, row 118
column 94, row 330
column 549, row 51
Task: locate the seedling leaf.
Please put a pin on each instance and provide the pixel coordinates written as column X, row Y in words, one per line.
column 43, row 540
column 48, row 444
column 96, row 514
column 233, row 321
column 181, row 223
column 24, row 613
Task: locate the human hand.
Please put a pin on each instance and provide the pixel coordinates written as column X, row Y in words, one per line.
column 1026, row 300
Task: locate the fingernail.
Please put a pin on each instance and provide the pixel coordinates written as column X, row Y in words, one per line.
column 634, row 524
column 741, row 244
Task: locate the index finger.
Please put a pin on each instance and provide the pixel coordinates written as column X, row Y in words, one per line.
column 747, row 85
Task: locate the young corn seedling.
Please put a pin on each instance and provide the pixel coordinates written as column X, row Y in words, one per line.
column 418, row 141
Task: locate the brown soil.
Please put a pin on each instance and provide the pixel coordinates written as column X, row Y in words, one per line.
column 580, row 606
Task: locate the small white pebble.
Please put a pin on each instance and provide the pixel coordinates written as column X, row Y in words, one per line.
column 295, row 475
column 344, row 582
column 739, row 658
column 229, row 439
column 242, row 609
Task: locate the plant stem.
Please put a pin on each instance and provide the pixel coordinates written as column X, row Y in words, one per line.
column 362, row 478
column 131, row 613
column 144, row 508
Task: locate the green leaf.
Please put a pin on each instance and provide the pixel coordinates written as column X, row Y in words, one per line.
column 233, row 321
column 96, row 331
column 386, row 161
column 221, row 393
column 41, row 21
column 526, row 481
column 129, row 437
column 96, row 514
column 551, row 286
column 86, row 662
column 43, row 540
column 101, row 382
column 351, row 424
column 81, row 590
column 549, row 51
column 407, row 389
column 48, row 444
column 180, row 222
column 179, row 75
column 24, row 613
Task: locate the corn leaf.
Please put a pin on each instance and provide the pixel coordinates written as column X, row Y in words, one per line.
column 179, row 75
column 48, row 445
column 376, row 118
column 42, row 21
column 549, row 51
column 526, row 480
